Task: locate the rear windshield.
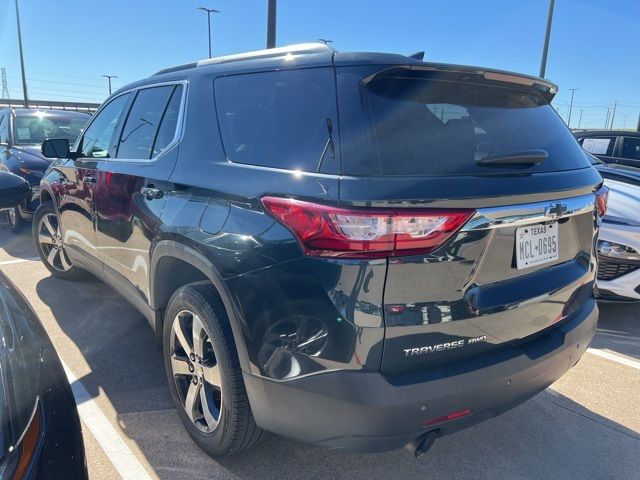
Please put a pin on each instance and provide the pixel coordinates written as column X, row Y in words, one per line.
column 420, row 123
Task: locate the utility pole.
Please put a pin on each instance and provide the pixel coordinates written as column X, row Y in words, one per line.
column 545, row 49
column 109, row 77
column 271, row 24
column 580, row 119
column 606, row 122
column 624, row 122
column 613, row 115
column 573, row 90
column 5, row 88
column 638, row 127
column 24, row 78
column 209, row 12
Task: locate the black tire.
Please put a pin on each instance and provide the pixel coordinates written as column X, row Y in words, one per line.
column 236, row 429
column 16, row 222
column 58, row 270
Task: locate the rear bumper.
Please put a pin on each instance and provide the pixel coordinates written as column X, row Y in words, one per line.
column 365, row 411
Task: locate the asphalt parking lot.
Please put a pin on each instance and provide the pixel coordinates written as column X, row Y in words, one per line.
column 586, row 425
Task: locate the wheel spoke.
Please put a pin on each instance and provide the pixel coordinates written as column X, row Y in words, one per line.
column 46, row 221
column 198, row 336
column 179, row 332
column 192, row 400
column 206, row 409
column 45, row 239
column 53, row 253
column 180, row 366
column 64, row 261
column 212, row 375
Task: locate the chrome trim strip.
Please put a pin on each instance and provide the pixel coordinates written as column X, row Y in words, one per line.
column 528, row 213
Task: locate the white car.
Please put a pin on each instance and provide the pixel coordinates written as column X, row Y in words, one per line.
column 619, row 241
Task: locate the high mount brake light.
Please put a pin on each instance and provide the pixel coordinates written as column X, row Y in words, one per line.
column 602, row 199
column 364, row 232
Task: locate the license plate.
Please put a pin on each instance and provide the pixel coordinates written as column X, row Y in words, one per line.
column 536, row 244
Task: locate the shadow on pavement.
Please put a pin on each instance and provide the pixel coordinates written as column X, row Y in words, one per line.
column 549, row 436
column 619, row 329
column 18, row 245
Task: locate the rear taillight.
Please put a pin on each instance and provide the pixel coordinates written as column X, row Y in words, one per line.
column 602, row 197
column 362, row 232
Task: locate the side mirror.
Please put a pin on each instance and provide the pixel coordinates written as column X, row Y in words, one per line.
column 55, row 148
column 13, row 190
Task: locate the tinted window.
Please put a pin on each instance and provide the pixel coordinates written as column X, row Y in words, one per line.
column 98, row 141
column 4, row 129
column 419, row 123
column 35, row 128
column 631, row 148
column 141, row 125
column 167, row 130
column 598, row 145
column 276, row 119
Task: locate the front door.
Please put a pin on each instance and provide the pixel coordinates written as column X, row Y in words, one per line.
column 130, row 188
column 76, row 191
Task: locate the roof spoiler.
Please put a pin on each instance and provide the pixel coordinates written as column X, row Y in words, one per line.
column 536, row 85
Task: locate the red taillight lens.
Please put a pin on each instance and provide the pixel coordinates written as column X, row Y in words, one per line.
column 359, row 232
column 602, row 198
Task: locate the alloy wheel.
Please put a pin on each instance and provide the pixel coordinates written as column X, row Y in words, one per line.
column 50, row 241
column 12, row 216
column 195, row 371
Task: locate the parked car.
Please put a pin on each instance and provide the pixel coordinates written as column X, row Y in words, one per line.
column 357, row 250
column 22, row 131
column 619, row 239
column 41, row 435
column 612, row 146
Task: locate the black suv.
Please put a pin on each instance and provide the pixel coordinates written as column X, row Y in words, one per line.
column 358, row 250
column 612, row 146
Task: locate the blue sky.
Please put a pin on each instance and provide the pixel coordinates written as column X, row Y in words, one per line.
column 68, row 44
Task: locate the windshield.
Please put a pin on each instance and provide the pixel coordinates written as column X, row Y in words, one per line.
column 35, row 128
column 424, row 123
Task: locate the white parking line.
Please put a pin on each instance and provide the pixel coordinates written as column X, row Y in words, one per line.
column 19, row 260
column 111, row 442
column 629, row 362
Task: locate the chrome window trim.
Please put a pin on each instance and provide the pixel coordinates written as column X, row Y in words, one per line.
column 528, row 213
column 176, row 137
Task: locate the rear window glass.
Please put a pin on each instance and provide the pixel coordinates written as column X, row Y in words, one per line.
column 277, row 119
column 419, row 124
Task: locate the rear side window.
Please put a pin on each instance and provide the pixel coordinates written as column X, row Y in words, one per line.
column 631, row 148
column 599, row 145
column 277, row 119
column 143, row 120
column 169, row 123
column 429, row 123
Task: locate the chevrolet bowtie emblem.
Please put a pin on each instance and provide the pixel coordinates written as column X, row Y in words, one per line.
column 555, row 211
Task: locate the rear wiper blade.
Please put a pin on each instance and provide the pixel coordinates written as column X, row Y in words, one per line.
column 523, row 157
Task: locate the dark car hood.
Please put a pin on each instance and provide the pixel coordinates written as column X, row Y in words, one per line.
column 32, row 158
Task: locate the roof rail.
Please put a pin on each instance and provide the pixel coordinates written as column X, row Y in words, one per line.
column 297, row 49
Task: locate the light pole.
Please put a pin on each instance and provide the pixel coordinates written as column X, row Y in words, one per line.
column 271, row 24
column 573, row 90
column 109, row 77
column 209, row 12
column 24, row 78
column 545, row 49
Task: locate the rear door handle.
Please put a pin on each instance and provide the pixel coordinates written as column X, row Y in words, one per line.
column 89, row 180
column 151, row 192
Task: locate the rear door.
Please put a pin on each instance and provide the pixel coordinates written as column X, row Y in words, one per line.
column 440, row 142
column 77, row 187
column 130, row 188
